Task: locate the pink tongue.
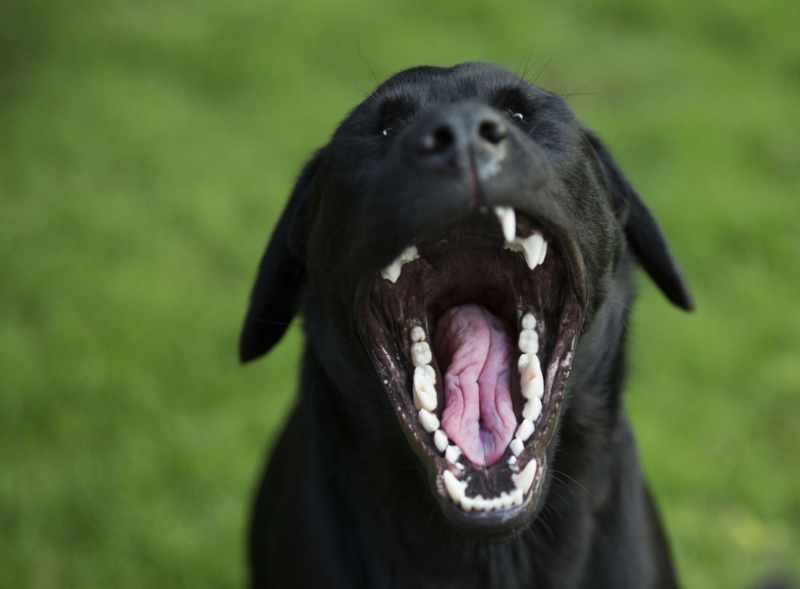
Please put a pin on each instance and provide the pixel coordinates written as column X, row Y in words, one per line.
column 475, row 348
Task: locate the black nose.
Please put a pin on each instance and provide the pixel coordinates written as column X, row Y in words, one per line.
column 452, row 135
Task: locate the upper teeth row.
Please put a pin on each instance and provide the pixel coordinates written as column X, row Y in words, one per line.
column 425, row 398
column 522, row 484
column 531, row 384
column 533, row 247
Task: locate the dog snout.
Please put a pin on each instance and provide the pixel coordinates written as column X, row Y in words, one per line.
column 457, row 135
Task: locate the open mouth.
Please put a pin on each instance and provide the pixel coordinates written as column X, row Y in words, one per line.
column 471, row 331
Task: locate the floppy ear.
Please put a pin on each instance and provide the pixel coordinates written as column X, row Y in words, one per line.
column 281, row 273
column 642, row 231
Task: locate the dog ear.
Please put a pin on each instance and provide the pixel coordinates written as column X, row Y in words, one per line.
column 281, row 273
column 642, row 231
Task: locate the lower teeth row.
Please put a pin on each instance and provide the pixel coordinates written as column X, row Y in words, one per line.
column 531, row 385
column 425, row 399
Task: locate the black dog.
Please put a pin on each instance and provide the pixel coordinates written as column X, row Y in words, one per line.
column 461, row 252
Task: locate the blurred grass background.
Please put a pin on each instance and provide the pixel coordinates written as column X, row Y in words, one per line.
column 146, row 148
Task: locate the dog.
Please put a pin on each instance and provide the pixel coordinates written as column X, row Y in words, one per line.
column 461, row 252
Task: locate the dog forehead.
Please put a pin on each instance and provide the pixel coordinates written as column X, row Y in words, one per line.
column 429, row 87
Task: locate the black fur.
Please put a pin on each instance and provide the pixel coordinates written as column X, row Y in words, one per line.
column 345, row 501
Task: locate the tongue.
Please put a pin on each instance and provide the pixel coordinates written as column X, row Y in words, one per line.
column 475, row 348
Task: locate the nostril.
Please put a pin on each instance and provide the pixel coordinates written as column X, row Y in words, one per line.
column 493, row 131
column 438, row 140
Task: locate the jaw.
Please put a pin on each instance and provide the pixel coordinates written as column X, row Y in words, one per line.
column 471, row 331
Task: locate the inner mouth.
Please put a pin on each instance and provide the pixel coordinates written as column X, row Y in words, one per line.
column 471, row 331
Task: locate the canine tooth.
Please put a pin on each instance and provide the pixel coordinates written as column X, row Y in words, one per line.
column 428, row 420
column 524, row 479
column 455, row 488
column 528, row 321
column 516, row 446
column 421, row 354
column 424, row 392
column 531, row 247
column 516, row 496
column 525, row 429
column 532, row 410
column 417, row 334
column 440, row 440
column 508, row 221
column 528, row 341
column 452, row 454
column 392, row 271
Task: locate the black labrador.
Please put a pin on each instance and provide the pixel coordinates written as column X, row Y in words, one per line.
column 461, row 252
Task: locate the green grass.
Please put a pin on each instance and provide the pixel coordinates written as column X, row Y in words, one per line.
column 145, row 151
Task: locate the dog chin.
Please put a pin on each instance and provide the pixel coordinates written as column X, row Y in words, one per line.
column 471, row 330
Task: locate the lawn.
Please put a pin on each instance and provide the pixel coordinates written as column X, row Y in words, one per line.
column 146, row 149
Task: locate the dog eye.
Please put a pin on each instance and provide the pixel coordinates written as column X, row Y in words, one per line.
column 394, row 113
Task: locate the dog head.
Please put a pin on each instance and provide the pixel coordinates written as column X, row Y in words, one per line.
column 450, row 248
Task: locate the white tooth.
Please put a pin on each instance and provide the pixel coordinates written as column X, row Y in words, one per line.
column 455, row 488
column 440, row 440
column 532, row 246
column 528, row 341
column 467, row 503
column 532, row 381
column 532, row 410
column 426, row 370
column 528, row 321
column 512, row 460
column 452, row 453
column 424, row 392
column 428, row 420
column 533, row 389
column 408, row 255
column 532, row 368
column 392, row 271
column 516, row 496
column 421, row 354
column 524, row 479
column 522, row 362
column 417, row 334
column 479, row 503
column 516, row 446
column 505, row 500
column 525, row 429
column 508, row 221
